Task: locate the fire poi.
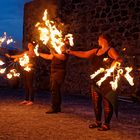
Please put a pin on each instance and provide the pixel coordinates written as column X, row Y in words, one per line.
column 5, row 39
column 13, row 73
column 49, row 34
column 120, row 72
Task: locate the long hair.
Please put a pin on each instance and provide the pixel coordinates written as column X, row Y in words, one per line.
column 106, row 37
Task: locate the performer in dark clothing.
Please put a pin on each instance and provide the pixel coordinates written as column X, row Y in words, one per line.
column 58, row 65
column 56, row 79
column 27, row 75
column 104, row 92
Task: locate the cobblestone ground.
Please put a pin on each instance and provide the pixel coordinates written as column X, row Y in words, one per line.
column 20, row 122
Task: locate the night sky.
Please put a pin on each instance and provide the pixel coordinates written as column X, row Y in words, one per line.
column 11, row 18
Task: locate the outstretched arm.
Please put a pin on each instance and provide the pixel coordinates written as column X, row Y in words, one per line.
column 46, row 56
column 82, row 54
column 14, row 56
column 58, row 56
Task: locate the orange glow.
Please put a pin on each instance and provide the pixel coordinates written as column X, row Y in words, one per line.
column 13, row 73
column 120, row 72
column 128, row 76
column 5, row 39
column 24, row 61
column 2, row 70
column 36, row 50
column 114, row 84
column 9, row 76
column 51, row 35
column 105, row 59
column 108, row 73
column 1, row 63
column 70, row 38
column 27, row 68
column 124, row 49
column 101, row 70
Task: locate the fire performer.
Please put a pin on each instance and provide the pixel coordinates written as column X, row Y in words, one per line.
column 27, row 75
column 104, row 92
column 57, row 76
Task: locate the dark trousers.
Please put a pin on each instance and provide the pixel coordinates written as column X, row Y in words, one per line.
column 28, row 85
column 108, row 108
column 56, row 80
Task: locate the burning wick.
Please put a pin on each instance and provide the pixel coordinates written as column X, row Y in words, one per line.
column 114, row 84
column 128, row 77
column 1, row 63
column 105, row 59
column 13, row 73
column 27, row 68
column 101, row 70
column 2, row 70
column 124, row 49
column 36, row 50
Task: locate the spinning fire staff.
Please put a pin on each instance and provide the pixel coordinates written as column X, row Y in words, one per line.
column 5, row 67
column 51, row 36
column 104, row 91
column 27, row 61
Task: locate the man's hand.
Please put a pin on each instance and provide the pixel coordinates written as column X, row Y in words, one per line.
column 16, row 60
column 7, row 55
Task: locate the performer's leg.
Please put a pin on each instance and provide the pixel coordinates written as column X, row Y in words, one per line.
column 26, row 86
column 108, row 112
column 97, row 103
column 56, row 81
column 30, row 87
column 56, row 96
column 26, row 89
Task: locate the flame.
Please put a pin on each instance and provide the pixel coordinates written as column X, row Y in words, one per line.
column 36, row 50
column 2, row 39
column 128, row 77
column 13, row 73
column 9, row 41
column 1, row 63
column 108, row 73
column 97, row 72
column 124, row 49
column 9, row 76
column 50, row 34
column 120, row 71
column 70, row 38
column 24, row 61
column 44, row 35
column 2, row 70
column 5, row 39
column 27, row 68
column 114, row 84
column 105, row 59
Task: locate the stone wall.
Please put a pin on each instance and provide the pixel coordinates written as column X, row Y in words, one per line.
column 86, row 19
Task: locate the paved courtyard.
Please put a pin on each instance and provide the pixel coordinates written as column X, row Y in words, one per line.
column 20, row 122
